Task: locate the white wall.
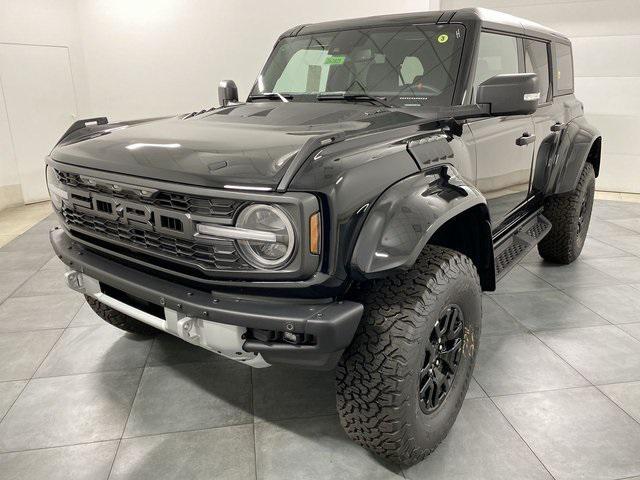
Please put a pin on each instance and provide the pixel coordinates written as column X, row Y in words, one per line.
column 36, row 22
column 158, row 57
column 606, row 47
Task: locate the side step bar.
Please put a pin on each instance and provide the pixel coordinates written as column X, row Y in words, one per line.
column 513, row 247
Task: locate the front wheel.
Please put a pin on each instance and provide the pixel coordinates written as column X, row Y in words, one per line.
column 402, row 381
column 119, row 319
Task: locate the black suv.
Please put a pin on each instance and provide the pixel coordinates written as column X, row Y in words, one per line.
column 381, row 174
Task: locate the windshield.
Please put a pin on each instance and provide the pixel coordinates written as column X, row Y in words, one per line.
column 413, row 65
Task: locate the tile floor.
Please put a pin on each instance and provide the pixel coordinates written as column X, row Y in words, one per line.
column 556, row 391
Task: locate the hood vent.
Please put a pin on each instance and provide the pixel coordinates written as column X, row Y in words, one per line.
column 193, row 114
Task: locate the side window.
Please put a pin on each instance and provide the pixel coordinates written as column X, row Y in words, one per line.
column 563, row 70
column 536, row 60
column 497, row 54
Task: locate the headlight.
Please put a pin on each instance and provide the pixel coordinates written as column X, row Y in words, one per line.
column 55, row 192
column 271, row 253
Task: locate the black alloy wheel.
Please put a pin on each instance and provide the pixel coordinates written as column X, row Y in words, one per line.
column 442, row 357
column 585, row 213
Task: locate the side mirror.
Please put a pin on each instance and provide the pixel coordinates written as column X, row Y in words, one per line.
column 227, row 92
column 510, row 94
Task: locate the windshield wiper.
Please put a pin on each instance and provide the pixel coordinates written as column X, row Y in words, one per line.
column 284, row 97
column 353, row 97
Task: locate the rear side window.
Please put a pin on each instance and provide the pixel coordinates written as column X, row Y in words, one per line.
column 496, row 54
column 536, row 60
column 563, row 70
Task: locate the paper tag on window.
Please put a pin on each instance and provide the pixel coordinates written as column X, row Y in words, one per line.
column 334, row 60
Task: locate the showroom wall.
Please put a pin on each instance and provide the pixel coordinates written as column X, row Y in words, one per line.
column 35, row 23
column 606, row 41
column 147, row 58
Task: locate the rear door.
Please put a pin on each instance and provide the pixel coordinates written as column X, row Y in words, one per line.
column 503, row 167
column 549, row 118
column 552, row 62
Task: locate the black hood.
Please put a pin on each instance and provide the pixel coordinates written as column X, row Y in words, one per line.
column 249, row 144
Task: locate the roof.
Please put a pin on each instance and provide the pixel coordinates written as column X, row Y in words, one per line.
column 490, row 19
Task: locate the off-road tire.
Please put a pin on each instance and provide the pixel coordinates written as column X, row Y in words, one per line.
column 379, row 373
column 564, row 242
column 119, row 319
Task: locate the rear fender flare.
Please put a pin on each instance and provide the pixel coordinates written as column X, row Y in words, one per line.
column 406, row 216
column 575, row 144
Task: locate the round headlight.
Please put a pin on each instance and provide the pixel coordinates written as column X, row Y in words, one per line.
column 266, row 218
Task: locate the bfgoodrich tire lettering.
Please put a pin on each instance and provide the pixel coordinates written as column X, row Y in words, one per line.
column 378, row 377
column 119, row 319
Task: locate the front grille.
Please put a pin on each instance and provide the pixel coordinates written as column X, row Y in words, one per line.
column 186, row 203
column 215, row 254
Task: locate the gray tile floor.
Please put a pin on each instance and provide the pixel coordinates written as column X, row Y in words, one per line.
column 556, row 391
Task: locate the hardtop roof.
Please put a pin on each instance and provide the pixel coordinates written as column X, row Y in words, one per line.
column 489, row 19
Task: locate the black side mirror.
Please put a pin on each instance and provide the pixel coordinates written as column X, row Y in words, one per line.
column 227, row 92
column 510, row 94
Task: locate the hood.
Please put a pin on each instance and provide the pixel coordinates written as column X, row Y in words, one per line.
column 250, row 144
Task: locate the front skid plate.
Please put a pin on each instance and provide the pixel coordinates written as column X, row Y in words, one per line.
column 226, row 340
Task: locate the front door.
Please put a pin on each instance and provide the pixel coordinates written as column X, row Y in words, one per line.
column 504, row 145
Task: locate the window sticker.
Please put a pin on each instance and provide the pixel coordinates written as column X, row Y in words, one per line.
column 334, row 60
column 443, row 38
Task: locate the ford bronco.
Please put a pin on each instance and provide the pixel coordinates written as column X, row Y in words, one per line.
column 381, row 174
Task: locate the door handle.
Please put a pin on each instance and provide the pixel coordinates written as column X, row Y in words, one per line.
column 558, row 127
column 525, row 139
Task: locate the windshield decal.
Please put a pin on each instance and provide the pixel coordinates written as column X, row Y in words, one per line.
column 334, row 60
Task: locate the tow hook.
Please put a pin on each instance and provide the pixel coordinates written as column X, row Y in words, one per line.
column 186, row 329
column 74, row 280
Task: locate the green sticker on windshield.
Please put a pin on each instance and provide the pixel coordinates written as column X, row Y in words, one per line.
column 334, row 60
column 443, row 38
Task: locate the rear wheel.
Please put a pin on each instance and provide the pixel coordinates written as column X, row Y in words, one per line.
column 119, row 319
column 569, row 215
column 402, row 381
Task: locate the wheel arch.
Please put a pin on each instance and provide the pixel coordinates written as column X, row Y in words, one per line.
column 595, row 152
column 469, row 233
column 437, row 207
column 580, row 143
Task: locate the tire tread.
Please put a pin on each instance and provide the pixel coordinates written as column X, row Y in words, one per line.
column 371, row 375
column 559, row 245
column 119, row 319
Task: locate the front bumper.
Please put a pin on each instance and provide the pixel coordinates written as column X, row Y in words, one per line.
column 331, row 324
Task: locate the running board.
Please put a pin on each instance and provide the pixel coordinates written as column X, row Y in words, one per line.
column 513, row 247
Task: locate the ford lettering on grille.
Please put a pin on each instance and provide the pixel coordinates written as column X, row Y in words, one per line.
column 135, row 214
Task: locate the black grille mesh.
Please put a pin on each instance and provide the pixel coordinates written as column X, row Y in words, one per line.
column 213, row 207
column 217, row 255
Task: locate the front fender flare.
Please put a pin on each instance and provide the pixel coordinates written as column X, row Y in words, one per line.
column 406, row 215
